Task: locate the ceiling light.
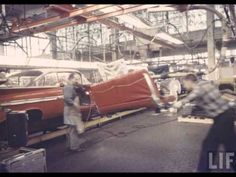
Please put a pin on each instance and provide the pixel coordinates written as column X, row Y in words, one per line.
column 169, row 38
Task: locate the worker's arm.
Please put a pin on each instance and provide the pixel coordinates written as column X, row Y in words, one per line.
column 68, row 96
column 197, row 92
column 77, row 103
column 79, row 123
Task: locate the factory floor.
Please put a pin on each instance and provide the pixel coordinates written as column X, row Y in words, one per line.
column 144, row 142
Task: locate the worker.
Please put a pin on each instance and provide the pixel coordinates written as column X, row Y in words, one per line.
column 208, row 97
column 2, row 75
column 72, row 114
column 233, row 65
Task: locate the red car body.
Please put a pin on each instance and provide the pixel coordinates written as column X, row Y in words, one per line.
column 130, row 91
column 48, row 101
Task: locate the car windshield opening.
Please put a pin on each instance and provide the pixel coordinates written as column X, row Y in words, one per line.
column 22, row 79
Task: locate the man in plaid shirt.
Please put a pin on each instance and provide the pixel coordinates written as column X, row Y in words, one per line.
column 207, row 96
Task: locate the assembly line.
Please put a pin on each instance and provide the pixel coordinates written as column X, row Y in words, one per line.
column 117, row 88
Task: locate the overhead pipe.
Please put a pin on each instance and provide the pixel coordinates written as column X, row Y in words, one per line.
column 232, row 12
column 224, row 28
column 135, row 32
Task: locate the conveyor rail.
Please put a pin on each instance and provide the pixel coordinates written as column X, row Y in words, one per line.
column 33, row 139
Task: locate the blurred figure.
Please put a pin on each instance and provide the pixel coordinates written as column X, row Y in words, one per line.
column 233, row 65
column 2, row 75
column 72, row 114
column 208, row 97
column 3, row 78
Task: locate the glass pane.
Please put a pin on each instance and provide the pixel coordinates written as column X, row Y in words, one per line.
column 51, row 79
column 40, row 82
column 63, row 77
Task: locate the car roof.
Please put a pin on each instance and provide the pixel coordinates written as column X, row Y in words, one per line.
column 39, row 72
column 44, row 71
column 54, row 70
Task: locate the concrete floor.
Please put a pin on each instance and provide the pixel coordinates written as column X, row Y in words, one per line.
column 140, row 143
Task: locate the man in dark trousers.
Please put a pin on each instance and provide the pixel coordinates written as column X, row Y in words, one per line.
column 208, row 97
column 72, row 114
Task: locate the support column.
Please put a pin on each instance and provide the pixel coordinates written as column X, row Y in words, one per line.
column 160, row 50
column 103, row 44
column 53, row 43
column 211, row 43
column 1, row 44
column 89, row 42
column 115, row 41
column 2, row 52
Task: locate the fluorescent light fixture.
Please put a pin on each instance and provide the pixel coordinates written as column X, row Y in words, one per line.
column 168, row 38
column 233, row 52
column 178, row 57
column 187, row 57
column 228, row 52
column 204, row 54
column 127, row 18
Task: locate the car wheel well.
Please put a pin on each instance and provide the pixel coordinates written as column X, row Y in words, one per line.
column 34, row 114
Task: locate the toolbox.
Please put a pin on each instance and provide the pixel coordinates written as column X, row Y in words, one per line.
column 23, row 160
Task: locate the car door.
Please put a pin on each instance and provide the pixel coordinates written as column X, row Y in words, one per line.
column 54, row 106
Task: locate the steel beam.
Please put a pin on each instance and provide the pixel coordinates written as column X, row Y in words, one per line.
column 65, row 8
column 99, row 18
column 211, row 42
column 232, row 12
column 80, row 12
column 73, row 13
column 120, row 12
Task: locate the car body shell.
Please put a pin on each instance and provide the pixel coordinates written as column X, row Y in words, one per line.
column 129, row 91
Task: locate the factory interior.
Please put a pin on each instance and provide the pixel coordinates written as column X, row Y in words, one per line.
column 117, row 88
